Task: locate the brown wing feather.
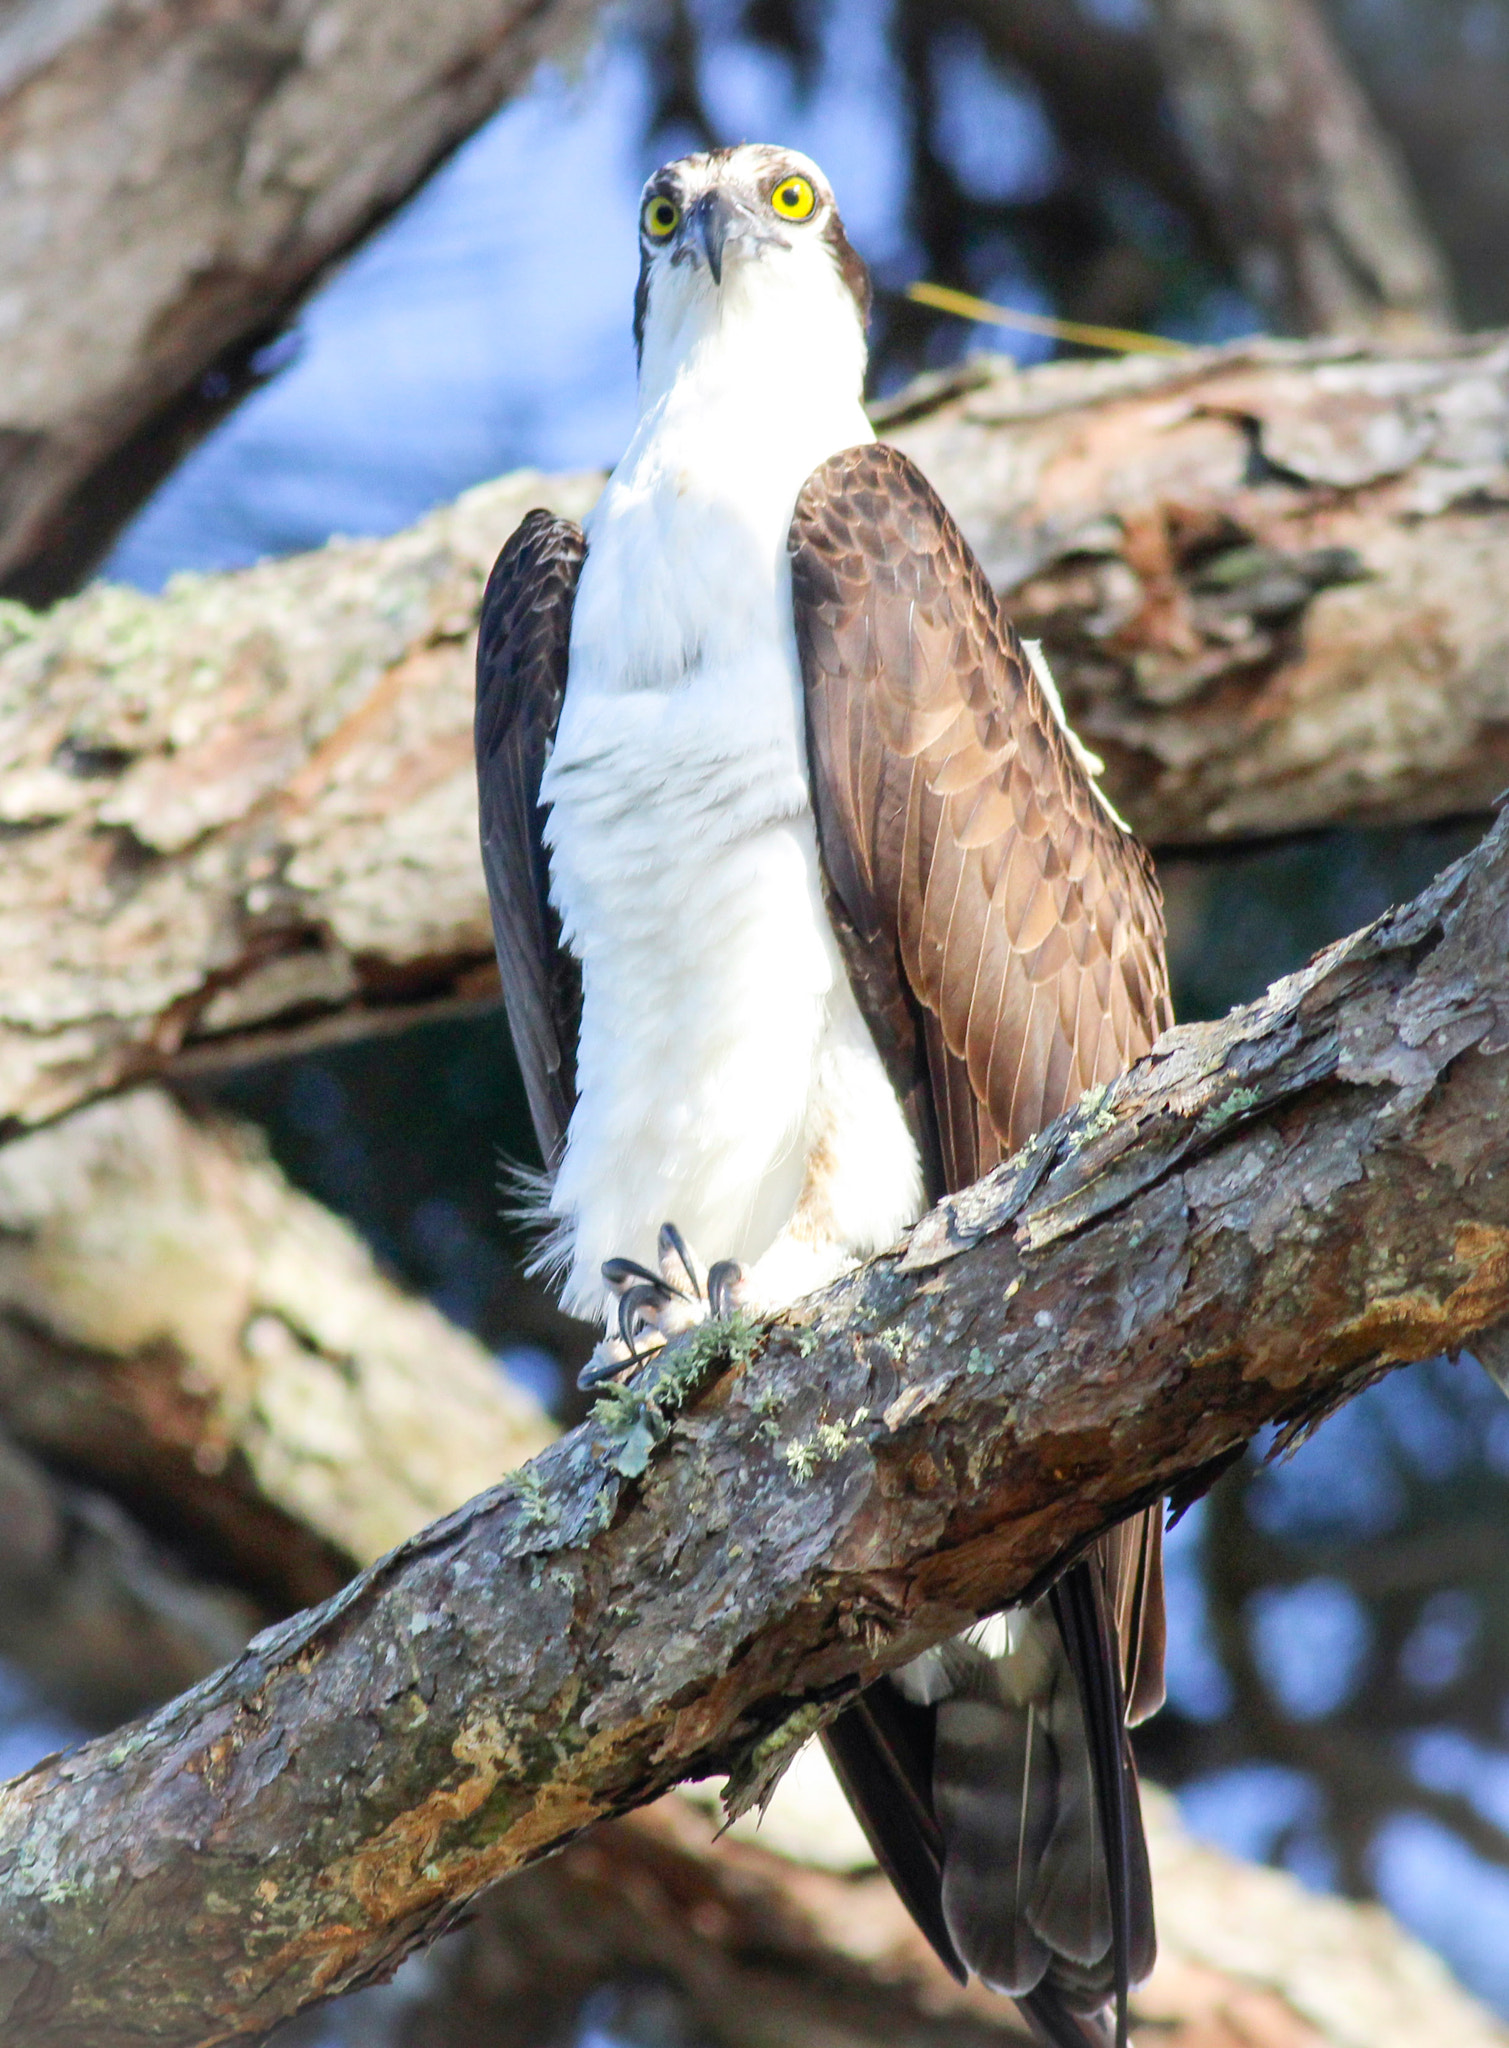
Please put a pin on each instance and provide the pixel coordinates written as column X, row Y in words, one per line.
column 1003, row 930
column 959, row 830
column 523, row 641
column 1010, row 930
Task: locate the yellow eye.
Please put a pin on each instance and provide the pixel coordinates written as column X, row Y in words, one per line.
column 793, row 199
column 660, row 217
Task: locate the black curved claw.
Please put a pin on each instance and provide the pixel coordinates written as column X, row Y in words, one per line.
column 722, row 1281
column 649, row 1294
column 599, row 1370
column 617, row 1271
column 672, row 1243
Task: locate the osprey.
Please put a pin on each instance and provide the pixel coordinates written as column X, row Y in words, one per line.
column 808, row 910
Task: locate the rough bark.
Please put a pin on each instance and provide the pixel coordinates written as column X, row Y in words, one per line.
column 173, row 178
column 1255, row 1222
column 182, row 1329
column 767, row 1940
column 243, row 814
column 1314, row 200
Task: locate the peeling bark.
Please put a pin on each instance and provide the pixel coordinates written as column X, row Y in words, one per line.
column 173, row 179
column 242, row 815
column 1257, row 1221
column 183, row 1329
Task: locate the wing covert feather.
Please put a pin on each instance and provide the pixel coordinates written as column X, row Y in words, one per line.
column 523, row 642
column 959, row 829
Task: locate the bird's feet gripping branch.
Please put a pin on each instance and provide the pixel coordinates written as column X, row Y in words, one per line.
column 654, row 1307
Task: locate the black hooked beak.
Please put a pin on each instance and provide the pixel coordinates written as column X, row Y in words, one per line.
column 718, row 217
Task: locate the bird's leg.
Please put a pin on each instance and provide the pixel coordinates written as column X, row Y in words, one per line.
column 654, row 1307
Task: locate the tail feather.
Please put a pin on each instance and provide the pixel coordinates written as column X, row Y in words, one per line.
column 995, row 1779
column 1082, row 1611
column 1059, row 2025
column 1071, row 1905
column 993, row 1790
column 881, row 1750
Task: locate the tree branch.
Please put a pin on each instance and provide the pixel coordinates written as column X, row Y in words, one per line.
column 182, row 1328
column 1258, row 1220
column 173, row 179
column 243, row 815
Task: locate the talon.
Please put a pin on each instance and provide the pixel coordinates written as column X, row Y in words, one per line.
column 654, row 1307
column 674, row 1248
column 608, row 1360
column 618, row 1273
column 632, row 1304
column 725, row 1288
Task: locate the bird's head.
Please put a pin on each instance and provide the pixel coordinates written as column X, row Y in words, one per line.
column 751, row 234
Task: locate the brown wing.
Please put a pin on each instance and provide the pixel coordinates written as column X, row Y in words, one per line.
column 1010, row 931
column 523, row 641
column 1004, row 935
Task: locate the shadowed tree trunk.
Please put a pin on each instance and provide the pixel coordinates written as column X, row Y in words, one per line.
column 182, row 1328
column 1312, row 197
column 102, row 1622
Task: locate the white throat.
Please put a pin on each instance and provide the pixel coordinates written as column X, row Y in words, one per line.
column 780, row 338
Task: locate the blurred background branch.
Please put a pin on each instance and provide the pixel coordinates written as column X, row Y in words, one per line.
column 1312, row 198
column 173, row 179
column 180, row 1326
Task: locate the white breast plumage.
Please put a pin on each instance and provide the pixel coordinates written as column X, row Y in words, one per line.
column 725, row 1080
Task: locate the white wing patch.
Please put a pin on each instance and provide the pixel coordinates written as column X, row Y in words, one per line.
column 1092, row 764
column 999, row 1635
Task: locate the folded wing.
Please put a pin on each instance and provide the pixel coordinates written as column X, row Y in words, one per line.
column 1004, row 935
column 523, row 642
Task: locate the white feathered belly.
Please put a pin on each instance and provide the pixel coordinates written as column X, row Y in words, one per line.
column 725, row 1080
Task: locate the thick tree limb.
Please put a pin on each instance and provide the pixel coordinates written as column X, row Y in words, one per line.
column 173, row 179
column 1314, row 200
column 180, row 1327
column 1259, row 1219
column 1268, row 581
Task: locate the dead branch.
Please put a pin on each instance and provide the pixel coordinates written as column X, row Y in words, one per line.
column 186, row 1331
column 173, row 179
column 243, row 815
column 1314, row 200
column 1255, row 1222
